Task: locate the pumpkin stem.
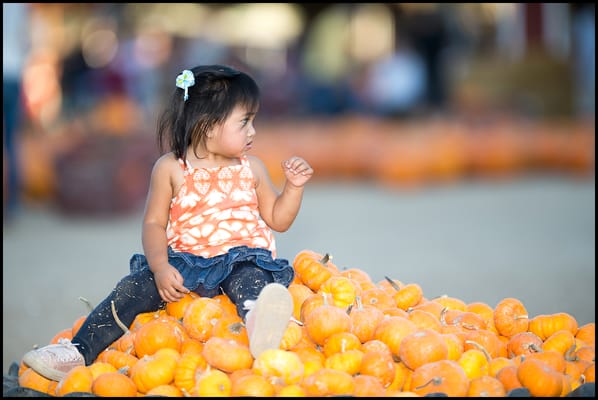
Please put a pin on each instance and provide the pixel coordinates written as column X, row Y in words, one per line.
column 435, row 381
column 327, row 257
column 118, row 321
column 534, row 347
column 392, row 283
column 349, row 308
column 570, row 354
column 87, row 302
column 442, row 316
column 481, row 348
column 358, row 302
column 295, row 320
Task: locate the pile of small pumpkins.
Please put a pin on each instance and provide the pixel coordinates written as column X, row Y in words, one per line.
column 348, row 336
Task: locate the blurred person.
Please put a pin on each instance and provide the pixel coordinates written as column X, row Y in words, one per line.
column 207, row 224
column 15, row 32
column 395, row 85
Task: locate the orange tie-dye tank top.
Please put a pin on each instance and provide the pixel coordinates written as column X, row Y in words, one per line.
column 215, row 210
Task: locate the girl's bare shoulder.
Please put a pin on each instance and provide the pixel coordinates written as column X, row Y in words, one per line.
column 167, row 160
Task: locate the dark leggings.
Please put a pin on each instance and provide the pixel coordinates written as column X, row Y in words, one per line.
column 137, row 293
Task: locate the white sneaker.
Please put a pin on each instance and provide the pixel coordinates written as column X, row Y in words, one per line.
column 268, row 318
column 55, row 360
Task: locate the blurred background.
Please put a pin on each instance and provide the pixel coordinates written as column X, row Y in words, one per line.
column 453, row 144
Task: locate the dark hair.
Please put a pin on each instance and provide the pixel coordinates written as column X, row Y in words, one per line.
column 218, row 89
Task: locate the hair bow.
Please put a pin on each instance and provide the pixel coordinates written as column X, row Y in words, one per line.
column 184, row 81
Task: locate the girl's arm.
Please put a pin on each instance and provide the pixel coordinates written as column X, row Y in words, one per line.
column 279, row 210
column 155, row 220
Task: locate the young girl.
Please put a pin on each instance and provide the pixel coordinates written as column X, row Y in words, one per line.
column 207, row 225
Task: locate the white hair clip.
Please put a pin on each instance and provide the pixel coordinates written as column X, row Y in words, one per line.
column 185, row 80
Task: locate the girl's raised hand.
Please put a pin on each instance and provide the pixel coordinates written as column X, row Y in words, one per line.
column 297, row 171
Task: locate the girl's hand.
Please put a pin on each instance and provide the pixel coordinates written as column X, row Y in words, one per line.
column 169, row 282
column 297, row 171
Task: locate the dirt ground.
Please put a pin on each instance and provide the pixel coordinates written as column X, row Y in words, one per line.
column 532, row 239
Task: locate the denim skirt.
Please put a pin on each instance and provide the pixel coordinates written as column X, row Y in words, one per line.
column 206, row 274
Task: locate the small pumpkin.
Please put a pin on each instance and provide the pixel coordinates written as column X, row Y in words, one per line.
column 392, row 330
column 324, row 321
column 281, row 365
column 379, row 364
column 444, row 376
column 539, row 378
column 114, row 384
column 329, row 382
column 422, row 347
column 364, row 320
column 348, row 361
column 227, row 355
column 545, row 325
column 313, row 268
column 486, row 386
column 510, row 317
column 78, row 379
column 212, row 382
column 252, row 385
column 200, row 317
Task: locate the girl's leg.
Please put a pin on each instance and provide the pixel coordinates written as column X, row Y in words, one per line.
column 271, row 309
column 133, row 295
column 245, row 282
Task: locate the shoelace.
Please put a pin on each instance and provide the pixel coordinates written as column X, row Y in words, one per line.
column 248, row 304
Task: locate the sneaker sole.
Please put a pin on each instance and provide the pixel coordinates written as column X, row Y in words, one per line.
column 273, row 310
column 42, row 369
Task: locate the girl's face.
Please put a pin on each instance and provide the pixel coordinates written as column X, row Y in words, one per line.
column 234, row 137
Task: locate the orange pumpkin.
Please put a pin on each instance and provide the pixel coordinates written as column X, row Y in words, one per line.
column 408, row 296
column 368, row 386
column 364, row 320
column 348, row 361
column 444, row 376
column 510, row 317
column 226, row 354
column 176, row 309
column 165, row 332
column 587, row 333
column 184, row 373
column 560, row 341
column 422, row 347
column 78, row 379
column 392, row 330
column 523, row 343
column 539, row 378
column 379, row 364
column 329, row 382
column 486, row 386
column 212, row 382
column 508, row 377
column 341, row 290
column 299, row 292
column 252, row 385
column 155, row 370
column 114, row 384
column 545, row 325
column 324, row 321
column 340, row 342
column 313, row 268
column 279, row 364
column 118, row 359
column 200, row 316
